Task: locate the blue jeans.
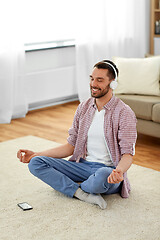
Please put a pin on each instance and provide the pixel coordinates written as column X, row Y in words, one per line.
column 63, row 175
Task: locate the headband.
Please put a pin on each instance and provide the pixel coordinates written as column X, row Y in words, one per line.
column 113, row 69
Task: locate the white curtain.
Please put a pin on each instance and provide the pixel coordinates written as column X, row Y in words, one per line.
column 12, row 63
column 108, row 28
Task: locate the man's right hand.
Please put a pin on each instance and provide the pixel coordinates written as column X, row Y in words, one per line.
column 25, row 155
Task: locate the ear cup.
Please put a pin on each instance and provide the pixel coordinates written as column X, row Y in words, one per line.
column 113, row 85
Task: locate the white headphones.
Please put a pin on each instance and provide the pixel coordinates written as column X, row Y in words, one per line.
column 114, row 83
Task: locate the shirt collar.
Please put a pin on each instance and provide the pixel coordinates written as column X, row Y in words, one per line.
column 108, row 105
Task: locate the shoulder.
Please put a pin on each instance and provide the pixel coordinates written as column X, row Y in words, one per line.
column 85, row 105
column 123, row 108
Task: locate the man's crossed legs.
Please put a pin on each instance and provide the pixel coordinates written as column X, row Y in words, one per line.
column 63, row 176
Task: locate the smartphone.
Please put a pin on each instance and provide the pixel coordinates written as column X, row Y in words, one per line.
column 25, row 206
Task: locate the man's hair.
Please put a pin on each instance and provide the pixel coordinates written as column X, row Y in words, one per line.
column 103, row 65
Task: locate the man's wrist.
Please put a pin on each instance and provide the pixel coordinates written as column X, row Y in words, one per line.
column 33, row 155
column 119, row 169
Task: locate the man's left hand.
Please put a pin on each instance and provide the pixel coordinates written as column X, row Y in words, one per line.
column 116, row 176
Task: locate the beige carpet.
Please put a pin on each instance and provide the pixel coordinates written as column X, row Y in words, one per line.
column 55, row 216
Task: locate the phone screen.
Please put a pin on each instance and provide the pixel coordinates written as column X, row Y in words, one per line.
column 25, row 206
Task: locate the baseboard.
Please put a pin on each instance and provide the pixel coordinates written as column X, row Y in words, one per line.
column 52, row 102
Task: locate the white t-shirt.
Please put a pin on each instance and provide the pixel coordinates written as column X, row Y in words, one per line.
column 97, row 148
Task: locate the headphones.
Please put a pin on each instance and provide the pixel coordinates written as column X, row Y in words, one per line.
column 114, row 83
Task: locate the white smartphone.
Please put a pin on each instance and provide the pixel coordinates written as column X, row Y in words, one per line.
column 25, row 206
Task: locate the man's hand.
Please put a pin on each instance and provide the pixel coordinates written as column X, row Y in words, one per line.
column 116, row 176
column 124, row 164
column 25, row 155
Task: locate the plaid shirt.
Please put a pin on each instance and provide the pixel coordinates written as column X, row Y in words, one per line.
column 119, row 130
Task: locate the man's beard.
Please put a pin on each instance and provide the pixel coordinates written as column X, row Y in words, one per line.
column 100, row 93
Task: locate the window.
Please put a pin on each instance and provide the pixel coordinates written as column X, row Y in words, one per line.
column 40, row 20
column 49, row 20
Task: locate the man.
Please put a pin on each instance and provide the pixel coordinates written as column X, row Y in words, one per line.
column 101, row 141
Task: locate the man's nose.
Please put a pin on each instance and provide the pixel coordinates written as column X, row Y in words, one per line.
column 94, row 83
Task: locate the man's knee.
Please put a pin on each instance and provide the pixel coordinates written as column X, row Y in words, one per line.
column 102, row 173
column 97, row 182
column 34, row 165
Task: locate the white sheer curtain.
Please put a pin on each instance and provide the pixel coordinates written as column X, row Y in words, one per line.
column 12, row 63
column 108, row 28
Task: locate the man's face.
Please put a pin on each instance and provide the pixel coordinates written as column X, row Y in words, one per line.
column 99, row 82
